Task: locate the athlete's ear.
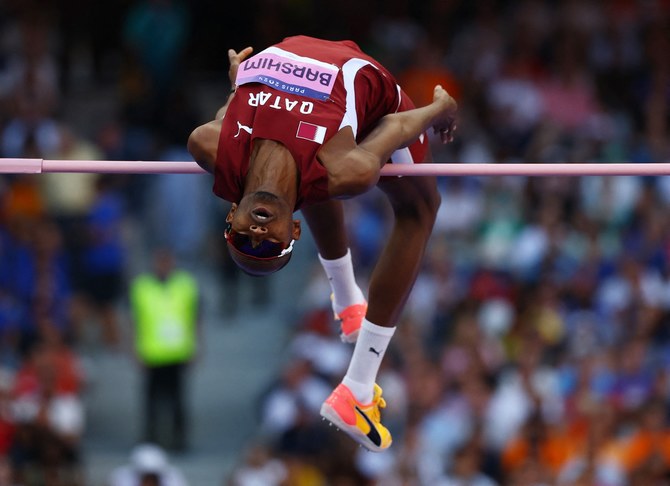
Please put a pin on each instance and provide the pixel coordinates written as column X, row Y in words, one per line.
column 229, row 217
column 295, row 234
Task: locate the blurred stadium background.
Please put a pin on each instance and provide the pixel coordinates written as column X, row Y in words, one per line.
column 535, row 348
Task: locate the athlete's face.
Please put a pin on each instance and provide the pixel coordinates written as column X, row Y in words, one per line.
column 262, row 223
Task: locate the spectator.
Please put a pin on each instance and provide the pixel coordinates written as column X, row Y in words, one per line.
column 50, row 424
column 35, row 272
column 298, row 391
column 7, row 426
column 258, row 467
column 104, row 257
column 69, row 196
column 466, row 469
column 49, row 355
column 152, row 71
column 23, row 199
column 166, row 313
column 646, row 453
column 149, row 466
column 597, row 458
column 30, row 87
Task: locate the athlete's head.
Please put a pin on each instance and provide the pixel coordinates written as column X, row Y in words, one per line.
column 260, row 233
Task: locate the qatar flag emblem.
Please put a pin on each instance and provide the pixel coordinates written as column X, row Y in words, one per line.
column 309, row 131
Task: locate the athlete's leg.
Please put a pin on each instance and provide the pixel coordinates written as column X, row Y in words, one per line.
column 415, row 201
column 326, row 222
column 354, row 405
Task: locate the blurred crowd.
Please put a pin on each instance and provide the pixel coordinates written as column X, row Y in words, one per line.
column 534, row 349
column 535, row 346
column 65, row 242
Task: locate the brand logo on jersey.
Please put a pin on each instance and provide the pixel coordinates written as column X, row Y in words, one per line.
column 279, row 102
column 309, row 131
column 241, row 127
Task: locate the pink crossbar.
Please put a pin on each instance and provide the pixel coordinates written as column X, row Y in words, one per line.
column 36, row 166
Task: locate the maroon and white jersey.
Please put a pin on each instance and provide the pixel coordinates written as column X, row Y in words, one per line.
column 300, row 93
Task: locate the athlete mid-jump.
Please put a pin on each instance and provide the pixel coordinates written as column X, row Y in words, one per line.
column 309, row 122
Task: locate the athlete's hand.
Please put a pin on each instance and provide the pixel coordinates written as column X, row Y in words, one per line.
column 445, row 121
column 235, row 58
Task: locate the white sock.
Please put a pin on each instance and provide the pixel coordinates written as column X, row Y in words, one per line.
column 368, row 354
column 342, row 281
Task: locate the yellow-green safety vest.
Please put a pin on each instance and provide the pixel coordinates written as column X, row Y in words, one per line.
column 166, row 314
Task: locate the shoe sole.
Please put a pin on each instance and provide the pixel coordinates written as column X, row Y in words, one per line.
column 329, row 414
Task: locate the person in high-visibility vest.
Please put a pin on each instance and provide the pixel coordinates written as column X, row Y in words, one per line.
column 166, row 312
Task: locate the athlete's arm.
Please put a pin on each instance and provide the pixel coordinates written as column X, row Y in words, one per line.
column 355, row 168
column 203, row 142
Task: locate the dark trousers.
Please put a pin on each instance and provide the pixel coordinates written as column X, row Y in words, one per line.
column 165, row 404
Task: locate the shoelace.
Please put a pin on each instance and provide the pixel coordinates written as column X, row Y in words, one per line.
column 380, row 403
